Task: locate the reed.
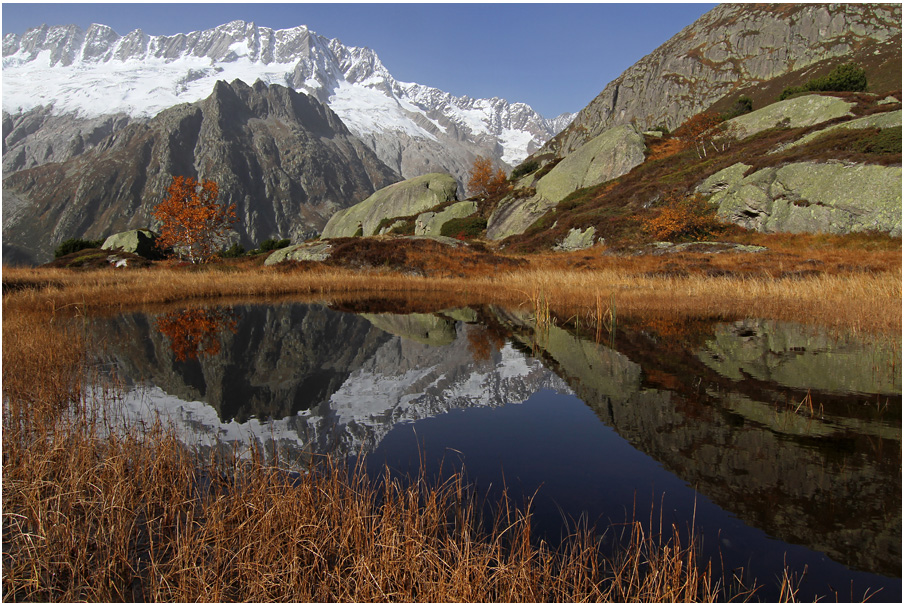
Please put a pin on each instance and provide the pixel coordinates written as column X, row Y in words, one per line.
column 862, row 301
column 96, row 509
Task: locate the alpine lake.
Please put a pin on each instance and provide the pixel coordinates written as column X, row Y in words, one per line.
column 773, row 443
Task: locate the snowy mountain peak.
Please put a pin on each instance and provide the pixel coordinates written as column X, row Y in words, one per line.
column 412, row 127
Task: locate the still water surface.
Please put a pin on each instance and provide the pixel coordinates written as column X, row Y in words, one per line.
column 777, row 442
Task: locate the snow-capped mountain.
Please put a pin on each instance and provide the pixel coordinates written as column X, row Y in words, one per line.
column 413, row 128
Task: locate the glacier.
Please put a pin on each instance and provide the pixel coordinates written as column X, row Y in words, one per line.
column 97, row 72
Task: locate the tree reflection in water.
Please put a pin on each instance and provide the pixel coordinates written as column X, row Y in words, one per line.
column 194, row 332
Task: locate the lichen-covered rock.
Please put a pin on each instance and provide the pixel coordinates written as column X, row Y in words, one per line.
column 609, row 155
column 799, row 112
column 431, row 223
column 877, row 120
column 136, row 241
column 316, row 252
column 810, row 197
column 576, row 239
column 513, row 215
column 723, row 179
column 400, row 199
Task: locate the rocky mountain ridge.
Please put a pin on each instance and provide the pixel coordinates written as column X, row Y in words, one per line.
column 414, row 129
column 286, row 161
column 727, row 49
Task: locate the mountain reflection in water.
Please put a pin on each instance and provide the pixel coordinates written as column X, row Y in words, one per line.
column 791, row 431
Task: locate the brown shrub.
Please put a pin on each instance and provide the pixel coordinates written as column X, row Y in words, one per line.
column 683, row 218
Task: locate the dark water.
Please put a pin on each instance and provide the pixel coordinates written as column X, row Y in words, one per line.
column 777, row 443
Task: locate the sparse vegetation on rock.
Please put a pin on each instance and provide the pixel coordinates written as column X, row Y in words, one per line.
column 76, row 245
column 844, row 78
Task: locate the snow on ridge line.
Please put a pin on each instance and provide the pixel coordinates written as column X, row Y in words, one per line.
column 132, row 74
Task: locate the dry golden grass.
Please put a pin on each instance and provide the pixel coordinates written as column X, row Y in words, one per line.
column 92, row 516
column 775, row 286
column 94, row 510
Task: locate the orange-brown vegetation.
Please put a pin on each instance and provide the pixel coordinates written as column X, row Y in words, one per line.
column 698, row 131
column 683, row 217
column 485, row 182
column 851, row 281
column 483, row 342
column 192, row 222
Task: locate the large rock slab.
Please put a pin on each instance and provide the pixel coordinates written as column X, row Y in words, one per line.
column 799, row 112
column 405, row 198
column 799, row 357
column 877, row 120
column 809, row 197
column 431, row 223
column 609, row 155
column 136, row 241
column 315, row 252
column 576, row 239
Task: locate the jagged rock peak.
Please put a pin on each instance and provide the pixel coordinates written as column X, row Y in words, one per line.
column 157, row 72
column 729, row 47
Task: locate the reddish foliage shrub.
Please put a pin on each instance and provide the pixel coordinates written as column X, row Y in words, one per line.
column 687, row 218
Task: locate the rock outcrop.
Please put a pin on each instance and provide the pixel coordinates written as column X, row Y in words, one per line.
column 809, row 197
column 406, row 198
column 728, row 48
column 609, row 155
column 310, row 252
column 37, row 136
column 578, row 239
column 799, row 112
column 284, row 159
column 137, row 241
column 890, row 119
column 431, row 330
column 431, row 223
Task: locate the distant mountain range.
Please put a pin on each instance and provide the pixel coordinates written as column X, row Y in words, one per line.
column 414, row 129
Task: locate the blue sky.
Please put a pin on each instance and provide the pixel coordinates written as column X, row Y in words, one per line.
column 554, row 57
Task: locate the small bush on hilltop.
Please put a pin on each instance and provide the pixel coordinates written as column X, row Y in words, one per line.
column 269, row 245
column 464, row 228
column 237, row 250
column 844, row 78
column 525, row 168
column 743, row 105
column 76, row 245
column 683, row 218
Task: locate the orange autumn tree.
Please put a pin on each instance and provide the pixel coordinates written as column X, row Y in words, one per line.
column 484, row 182
column 192, row 222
